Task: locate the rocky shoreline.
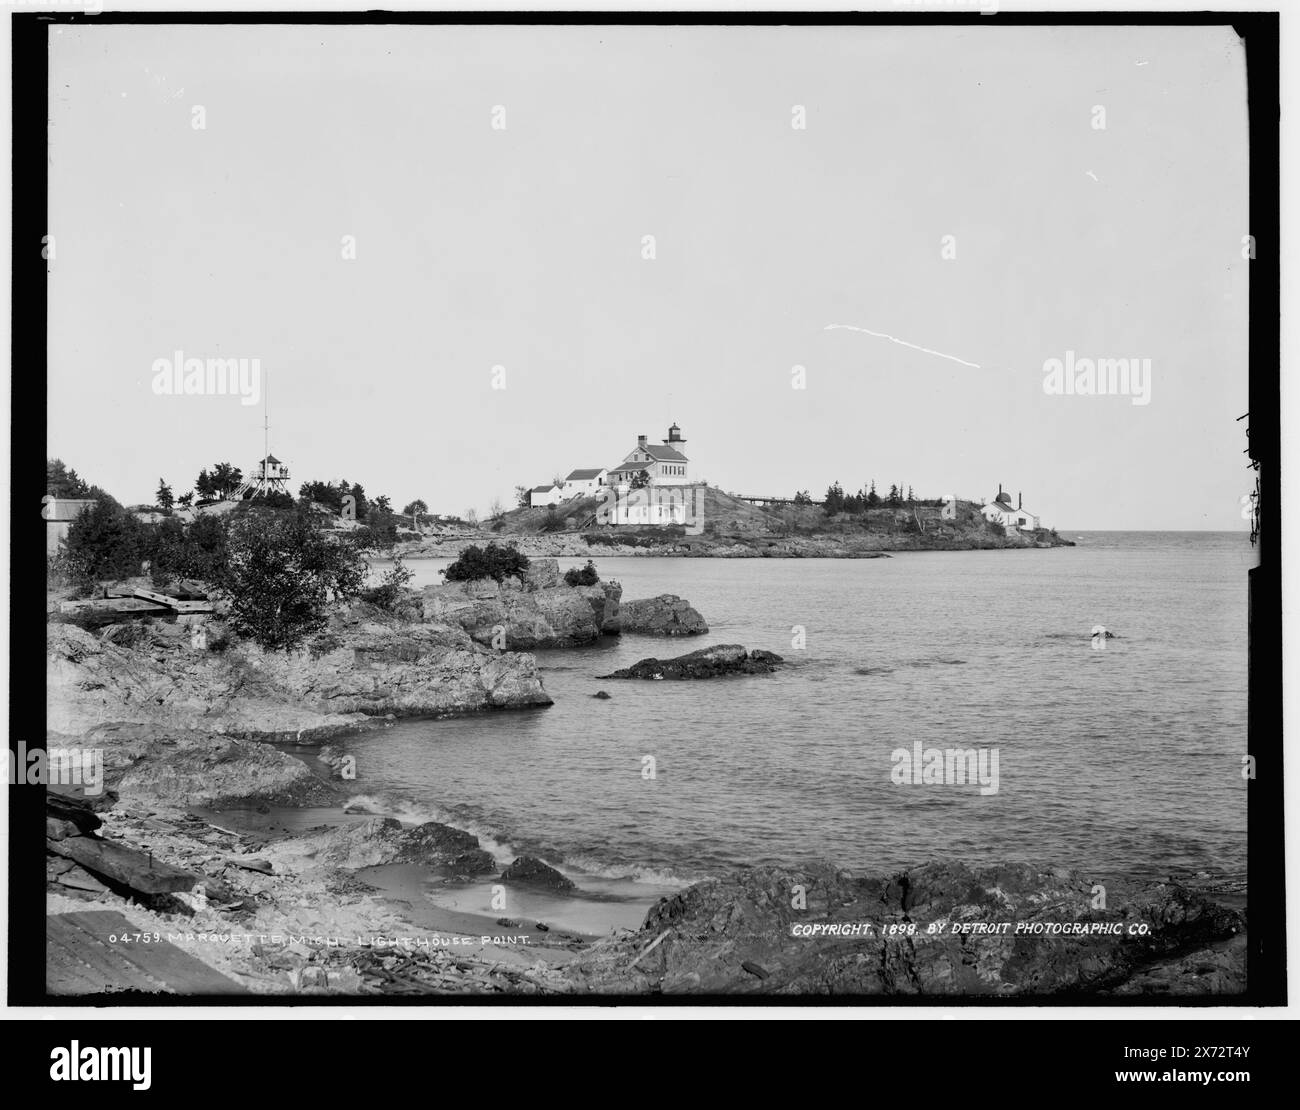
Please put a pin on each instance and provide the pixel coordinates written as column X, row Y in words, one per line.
column 294, row 914
column 742, row 546
column 182, row 723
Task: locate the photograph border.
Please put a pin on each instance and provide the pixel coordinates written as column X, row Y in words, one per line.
column 1266, row 952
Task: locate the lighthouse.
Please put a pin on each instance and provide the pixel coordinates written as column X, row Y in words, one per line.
column 270, row 475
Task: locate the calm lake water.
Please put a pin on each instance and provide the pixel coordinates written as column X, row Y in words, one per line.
column 1125, row 759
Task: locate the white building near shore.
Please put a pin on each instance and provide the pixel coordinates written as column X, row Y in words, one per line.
column 540, row 496
column 1000, row 511
column 664, row 465
column 581, row 483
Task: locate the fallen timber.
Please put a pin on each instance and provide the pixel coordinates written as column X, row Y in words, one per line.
column 138, row 601
column 70, row 833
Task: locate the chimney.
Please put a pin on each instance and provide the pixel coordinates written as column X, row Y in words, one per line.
column 640, row 442
column 999, row 489
column 1020, row 500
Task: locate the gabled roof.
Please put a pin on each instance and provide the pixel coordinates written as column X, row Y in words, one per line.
column 629, row 467
column 541, row 489
column 1009, row 510
column 585, row 475
column 662, row 454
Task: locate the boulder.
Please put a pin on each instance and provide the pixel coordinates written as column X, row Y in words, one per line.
column 532, row 872
column 665, row 615
column 71, row 813
column 714, row 937
column 516, row 620
column 383, row 840
column 441, row 845
column 179, row 767
column 711, row 662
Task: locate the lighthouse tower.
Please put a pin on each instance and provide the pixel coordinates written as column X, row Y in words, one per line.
column 269, row 475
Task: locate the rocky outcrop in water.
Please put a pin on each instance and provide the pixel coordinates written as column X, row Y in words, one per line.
column 383, row 840
column 665, row 615
column 710, row 662
column 520, row 616
column 750, row 932
column 532, row 872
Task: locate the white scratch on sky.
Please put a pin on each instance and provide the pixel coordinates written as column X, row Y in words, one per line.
column 901, row 343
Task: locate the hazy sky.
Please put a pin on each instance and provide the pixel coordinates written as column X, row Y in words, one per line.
column 522, row 248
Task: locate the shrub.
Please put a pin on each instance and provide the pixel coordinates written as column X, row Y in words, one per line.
column 106, row 542
column 494, row 562
column 552, row 522
column 64, row 569
column 197, row 551
column 586, row 576
column 281, row 574
column 380, row 532
column 390, row 586
column 206, row 549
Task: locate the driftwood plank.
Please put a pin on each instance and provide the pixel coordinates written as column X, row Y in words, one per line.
column 123, row 865
column 113, row 605
column 174, row 602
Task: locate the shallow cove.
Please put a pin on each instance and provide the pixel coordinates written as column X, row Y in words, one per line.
column 1124, row 760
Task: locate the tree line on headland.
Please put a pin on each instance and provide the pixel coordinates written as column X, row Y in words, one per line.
column 837, row 501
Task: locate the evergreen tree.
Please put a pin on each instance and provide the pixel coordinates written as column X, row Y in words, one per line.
column 106, row 541
column 60, row 481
